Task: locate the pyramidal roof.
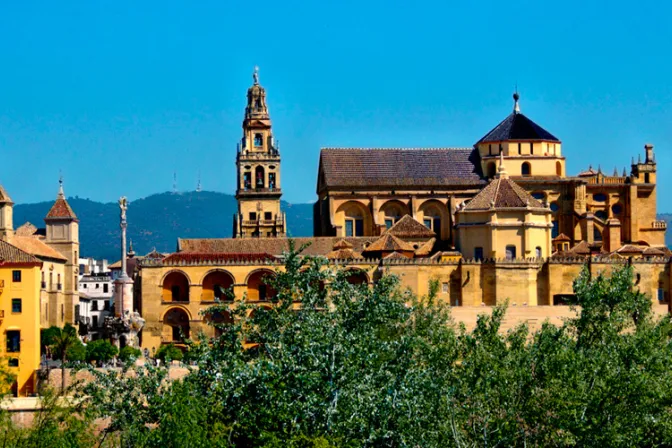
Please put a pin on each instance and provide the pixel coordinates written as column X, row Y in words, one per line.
column 4, row 197
column 389, row 243
column 518, row 127
column 61, row 209
column 502, row 192
column 407, row 227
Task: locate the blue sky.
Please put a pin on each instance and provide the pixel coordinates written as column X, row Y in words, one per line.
column 119, row 95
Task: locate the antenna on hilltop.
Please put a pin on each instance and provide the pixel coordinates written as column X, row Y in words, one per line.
column 198, row 185
column 175, row 182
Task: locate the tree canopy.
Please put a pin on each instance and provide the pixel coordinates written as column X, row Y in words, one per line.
column 359, row 366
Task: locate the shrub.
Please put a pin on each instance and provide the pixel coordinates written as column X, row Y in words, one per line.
column 100, row 351
column 169, row 352
column 129, row 353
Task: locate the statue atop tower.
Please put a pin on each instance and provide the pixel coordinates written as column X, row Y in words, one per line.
column 258, row 166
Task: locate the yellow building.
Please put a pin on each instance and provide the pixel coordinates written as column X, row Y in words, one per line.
column 20, row 315
column 258, row 166
column 498, row 221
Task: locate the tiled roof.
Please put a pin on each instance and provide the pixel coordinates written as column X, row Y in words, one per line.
column 26, row 229
column 359, row 167
column 426, row 248
column 389, row 243
column 343, row 254
column 561, row 237
column 588, row 173
column 407, row 227
column 342, row 244
column 502, row 192
column 12, row 254
column 630, row 249
column 61, row 210
column 36, row 247
column 652, row 251
column 273, row 246
column 4, row 197
column 395, row 256
column 181, row 257
column 518, row 127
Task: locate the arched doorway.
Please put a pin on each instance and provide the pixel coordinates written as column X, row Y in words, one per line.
column 176, row 325
column 217, row 286
column 356, row 277
column 176, row 287
column 258, row 288
column 558, row 168
column 218, row 320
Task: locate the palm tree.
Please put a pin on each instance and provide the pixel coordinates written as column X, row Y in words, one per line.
column 64, row 340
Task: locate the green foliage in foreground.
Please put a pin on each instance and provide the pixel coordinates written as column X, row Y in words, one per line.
column 169, row 352
column 374, row 367
column 129, row 353
column 100, row 351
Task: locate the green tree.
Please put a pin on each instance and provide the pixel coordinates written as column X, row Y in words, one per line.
column 63, row 340
column 169, row 352
column 129, row 353
column 100, row 351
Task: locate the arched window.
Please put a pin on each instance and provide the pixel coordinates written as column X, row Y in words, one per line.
column 510, row 252
column 492, row 169
column 258, row 287
column 247, row 180
column 555, row 231
column 558, row 168
column 176, row 287
column 647, row 178
column 258, row 140
column 599, row 197
column 177, row 321
column 537, row 252
column 520, row 150
column 432, row 216
column 526, row 170
column 217, row 286
column 357, row 277
column 393, row 212
column 259, row 177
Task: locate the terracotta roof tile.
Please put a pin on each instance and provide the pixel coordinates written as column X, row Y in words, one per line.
column 36, row 247
column 630, row 249
column 395, row 256
column 407, row 227
column 61, row 210
column 561, row 237
column 10, row 254
column 343, row 254
column 502, row 192
column 358, row 167
column 215, row 257
column 426, row 248
column 26, row 229
column 389, row 243
column 652, row 251
column 273, row 246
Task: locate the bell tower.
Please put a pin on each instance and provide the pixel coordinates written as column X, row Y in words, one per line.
column 258, row 172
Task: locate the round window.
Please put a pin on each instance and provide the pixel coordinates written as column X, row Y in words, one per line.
column 599, row 197
column 617, row 209
column 539, row 195
column 554, row 207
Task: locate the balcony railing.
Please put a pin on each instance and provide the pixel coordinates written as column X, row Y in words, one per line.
column 260, row 190
column 659, row 224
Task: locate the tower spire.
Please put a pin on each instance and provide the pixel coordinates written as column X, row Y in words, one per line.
column 516, row 105
column 61, row 194
column 198, row 185
column 255, row 75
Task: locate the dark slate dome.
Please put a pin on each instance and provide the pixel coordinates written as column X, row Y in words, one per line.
column 518, row 127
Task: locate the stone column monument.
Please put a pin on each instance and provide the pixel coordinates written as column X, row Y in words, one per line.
column 124, row 327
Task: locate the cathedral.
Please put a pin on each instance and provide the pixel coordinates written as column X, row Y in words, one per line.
column 497, row 222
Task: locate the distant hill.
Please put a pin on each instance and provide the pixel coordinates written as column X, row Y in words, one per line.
column 157, row 221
